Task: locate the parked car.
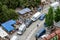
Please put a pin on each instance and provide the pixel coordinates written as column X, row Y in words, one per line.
column 35, row 16
column 21, row 29
column 28, row 22
column 40, row 32
column 42, row 17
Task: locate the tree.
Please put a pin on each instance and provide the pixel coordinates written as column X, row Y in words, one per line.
column 20, row 3
column 57, row 14
column 7, row 14
column 13, row 14
column 49, row 18
column 46, row 19
column 0, row 6
column 29, row 3
column 13, row 4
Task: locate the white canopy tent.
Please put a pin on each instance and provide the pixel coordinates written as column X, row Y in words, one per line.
column 23, row 11
column 2, row 33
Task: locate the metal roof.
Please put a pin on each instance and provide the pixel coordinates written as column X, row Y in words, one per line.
column 2, row 33
column 25, row 10
column 8, row 25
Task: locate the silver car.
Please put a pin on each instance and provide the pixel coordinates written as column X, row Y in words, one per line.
column 28, row 22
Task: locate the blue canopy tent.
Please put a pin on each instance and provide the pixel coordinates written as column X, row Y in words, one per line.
column 25, row 10
column 8, row 25
column 10, row 22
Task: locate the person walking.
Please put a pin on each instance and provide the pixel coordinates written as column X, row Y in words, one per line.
column 37, row 25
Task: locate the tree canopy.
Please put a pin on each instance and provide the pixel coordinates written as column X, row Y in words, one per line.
column 20, row 3
column 49, row 17
column 53, row 15
column 7, row 8
column 57, row 14
column 7, row 14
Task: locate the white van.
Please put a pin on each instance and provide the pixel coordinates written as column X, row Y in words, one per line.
column 35, row 16
column 14, row 38
column 54, row 5
column 22, row 28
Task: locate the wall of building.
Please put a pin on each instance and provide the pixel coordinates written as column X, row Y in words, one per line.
column 50, row 36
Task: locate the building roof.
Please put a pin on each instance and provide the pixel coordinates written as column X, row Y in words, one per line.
column 2, row 33
column 57, row 24
column 8, row 25
column 25, row 10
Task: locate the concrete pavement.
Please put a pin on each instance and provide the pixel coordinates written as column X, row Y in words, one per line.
column 34, row 30
column 29, row 31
